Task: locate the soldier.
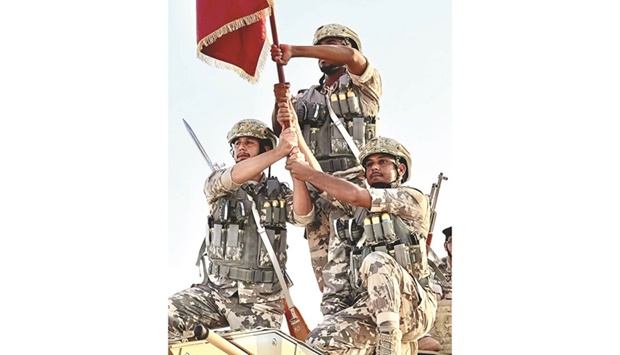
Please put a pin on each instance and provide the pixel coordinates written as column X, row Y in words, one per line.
column 351, row 87
column 446, row 265
column 378, row 289
column 240, row 288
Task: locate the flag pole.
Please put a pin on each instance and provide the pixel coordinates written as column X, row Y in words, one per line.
column 280, row 67
column 274, row 35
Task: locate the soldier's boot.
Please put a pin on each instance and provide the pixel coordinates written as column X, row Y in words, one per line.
column 389, row 341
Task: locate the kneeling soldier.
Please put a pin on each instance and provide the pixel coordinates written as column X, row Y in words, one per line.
column 241, row 288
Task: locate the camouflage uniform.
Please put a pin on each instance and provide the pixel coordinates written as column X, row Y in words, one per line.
column 325, row 140
column 226, row 300
column 350, row 322
column 446, row 285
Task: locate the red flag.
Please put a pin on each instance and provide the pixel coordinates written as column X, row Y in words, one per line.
column 232, row 34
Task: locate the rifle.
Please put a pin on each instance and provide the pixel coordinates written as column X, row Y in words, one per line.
column 296, row 324
column 432, row 200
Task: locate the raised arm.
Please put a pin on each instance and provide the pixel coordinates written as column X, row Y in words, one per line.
column 351, row 57
column 248, row 169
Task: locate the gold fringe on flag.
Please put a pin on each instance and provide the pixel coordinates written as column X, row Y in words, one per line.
column 230, row 27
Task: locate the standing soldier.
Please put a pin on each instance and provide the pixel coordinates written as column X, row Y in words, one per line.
column 348, row 93
column 446, row 265
column 442, row 328
column 378, row 291
column 240, row 288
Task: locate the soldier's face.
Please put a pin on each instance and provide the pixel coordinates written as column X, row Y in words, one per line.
column 382, row 169
column 448, row 246
column 245, row 147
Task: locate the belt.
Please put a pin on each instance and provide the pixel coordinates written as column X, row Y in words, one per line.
column 330, row 165
column 247, row 275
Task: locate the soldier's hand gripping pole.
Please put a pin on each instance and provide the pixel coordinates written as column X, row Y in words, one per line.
column 432, row 201
column 274, row 34
column 282, row 94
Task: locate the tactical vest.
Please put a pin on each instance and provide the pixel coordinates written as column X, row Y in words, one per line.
column 322, row 136
column 233, row 244
column 381, row 232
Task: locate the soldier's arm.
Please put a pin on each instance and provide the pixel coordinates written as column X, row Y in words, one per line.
column 219, row 183
column 370, row 85
column 351, row 57
column 407, row 202
column 338, row 188
column 247, row 169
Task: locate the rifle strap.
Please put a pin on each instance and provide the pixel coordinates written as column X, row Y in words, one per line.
column 271, row 252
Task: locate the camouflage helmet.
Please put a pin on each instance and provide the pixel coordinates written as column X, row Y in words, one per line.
column 252, row 128
column 387, row 146
column 338, row 31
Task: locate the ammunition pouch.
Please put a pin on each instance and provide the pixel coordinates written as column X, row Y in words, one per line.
column 389, row 234
column 310, row 113
column 345, row 101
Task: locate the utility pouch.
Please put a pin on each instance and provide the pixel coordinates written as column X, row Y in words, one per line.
column 344, row 106
column 368, row 230
column 275, row 210
column 210, row 223
column 280, row 247
column 215, row 250
column 335, row 104
column 266, row 219
column 353, row 103
column 376, row 228
column 283, row 213
column 359, row 131
column 338, row 143
column 234, row 248
column 264, row 260
column 401, row 254
column 388, row 228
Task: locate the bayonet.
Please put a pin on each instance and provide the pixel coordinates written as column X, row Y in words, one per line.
column 202, row 150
